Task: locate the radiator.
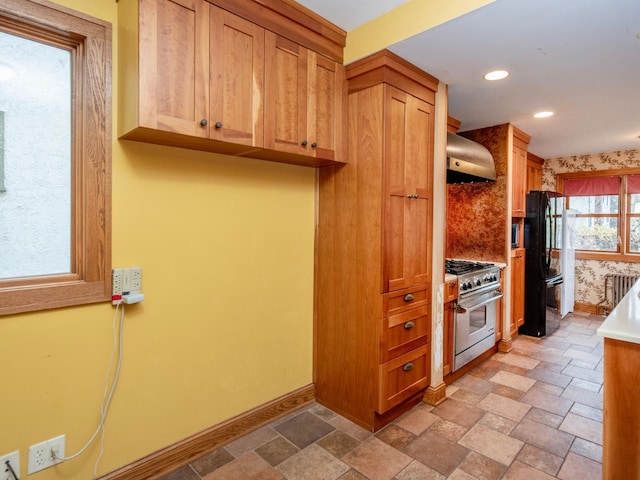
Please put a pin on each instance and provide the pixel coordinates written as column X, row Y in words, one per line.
column 618, row 285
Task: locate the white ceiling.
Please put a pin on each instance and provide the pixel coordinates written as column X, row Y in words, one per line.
column 578, row 58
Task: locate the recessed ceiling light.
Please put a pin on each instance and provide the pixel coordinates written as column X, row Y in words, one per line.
column 543, row 114
column 496, row 75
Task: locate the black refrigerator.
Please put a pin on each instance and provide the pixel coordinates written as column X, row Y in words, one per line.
column 543, row 276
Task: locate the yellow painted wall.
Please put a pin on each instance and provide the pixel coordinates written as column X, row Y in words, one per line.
column 405, row 21
column 226, row 246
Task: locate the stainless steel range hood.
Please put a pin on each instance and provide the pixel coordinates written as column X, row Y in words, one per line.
column 468, row 161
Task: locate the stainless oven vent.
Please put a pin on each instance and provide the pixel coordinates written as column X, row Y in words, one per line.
column 468, row 161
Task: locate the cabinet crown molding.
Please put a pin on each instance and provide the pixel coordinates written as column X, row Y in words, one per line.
column 387, row 67
column 293, row 21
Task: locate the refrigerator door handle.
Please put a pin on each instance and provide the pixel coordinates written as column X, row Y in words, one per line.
column 549, row 239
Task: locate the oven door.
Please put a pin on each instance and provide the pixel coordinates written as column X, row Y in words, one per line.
column 475, row 325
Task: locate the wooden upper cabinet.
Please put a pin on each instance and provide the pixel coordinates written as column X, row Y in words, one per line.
column 534, row 172
column 225, row 77
column 173, row 68
column 408, row 206
column 286, row 101
column 236, row 62
column 305, row 101
column 326, row 107
column 519, row 173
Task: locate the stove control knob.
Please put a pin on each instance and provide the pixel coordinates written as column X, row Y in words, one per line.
column 494, row 277
column 486, row 278
column 477, row 281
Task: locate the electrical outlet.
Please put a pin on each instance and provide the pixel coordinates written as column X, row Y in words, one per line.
column 125, row 281
column 45, row 454
column 136, row 279
column 116, row 281
column 136, row 285
column 136, row 273
column 14, row 460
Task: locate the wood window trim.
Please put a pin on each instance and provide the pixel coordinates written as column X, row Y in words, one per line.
column 89, row 41
column 622, row 214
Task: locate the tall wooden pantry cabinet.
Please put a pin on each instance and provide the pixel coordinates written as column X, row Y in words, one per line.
column 373, row 297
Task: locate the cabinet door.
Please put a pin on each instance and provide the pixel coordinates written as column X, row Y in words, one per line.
column 499, row 310
column 447, row 350
column 534, row 176
column 236, row 59
column 519, row 181
column 517, row 288
column 174, row 71
column 450, row 290
column 285, row 95
column 326, row 102
column 407, row 190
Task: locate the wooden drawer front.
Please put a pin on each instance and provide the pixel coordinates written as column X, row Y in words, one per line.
column 403, row 377
column 450, row 290
column 407, row 299
column 404, row 332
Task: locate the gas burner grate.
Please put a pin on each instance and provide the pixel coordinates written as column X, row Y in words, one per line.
column 459, row 267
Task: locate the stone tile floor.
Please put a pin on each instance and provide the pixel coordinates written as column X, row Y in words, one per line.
column 533, row 413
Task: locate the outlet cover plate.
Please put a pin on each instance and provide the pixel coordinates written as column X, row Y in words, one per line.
column 40, row 454
column 14, row 461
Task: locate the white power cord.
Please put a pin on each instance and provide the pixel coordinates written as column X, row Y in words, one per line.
column 108, row 392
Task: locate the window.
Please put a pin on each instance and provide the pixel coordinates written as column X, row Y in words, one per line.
column 608, row 213
column 633, row 213
column 55, row 157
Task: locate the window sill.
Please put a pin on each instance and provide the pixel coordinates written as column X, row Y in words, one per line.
column 608, row 257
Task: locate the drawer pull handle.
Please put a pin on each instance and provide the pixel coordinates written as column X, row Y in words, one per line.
column 204, row 122
column 218, row 125
column 409, row 325
column 407, row 366
column 408, row 297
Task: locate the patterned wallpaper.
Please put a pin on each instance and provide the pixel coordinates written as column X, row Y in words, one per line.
column 590, row 274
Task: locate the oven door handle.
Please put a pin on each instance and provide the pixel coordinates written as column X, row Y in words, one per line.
column 465, row 308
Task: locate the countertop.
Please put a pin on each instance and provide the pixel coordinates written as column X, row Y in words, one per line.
column 623, row 323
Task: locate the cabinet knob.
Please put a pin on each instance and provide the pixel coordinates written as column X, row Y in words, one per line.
column 408, row 297
column 407, row 366
column 314, row 145
column 304, row 143
column 409, row 325
column 204, row 122
column 218, row 125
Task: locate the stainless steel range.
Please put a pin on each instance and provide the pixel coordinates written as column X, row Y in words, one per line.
column 475, row 313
